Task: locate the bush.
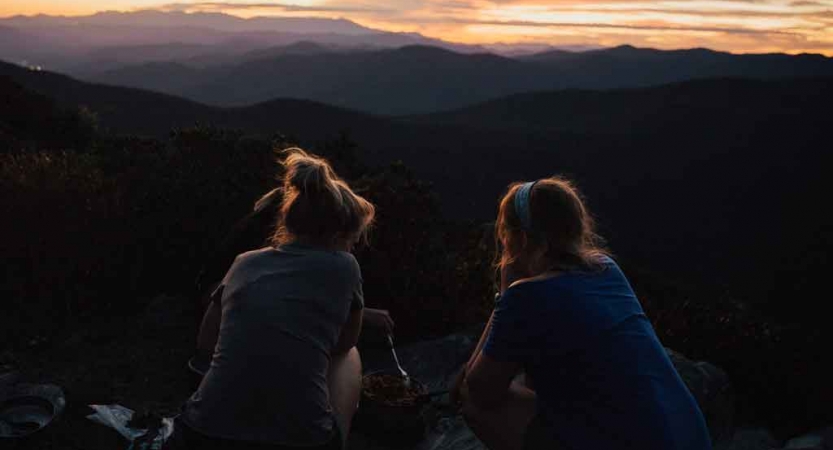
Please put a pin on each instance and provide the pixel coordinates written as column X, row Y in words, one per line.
column 94, row 231
column 774, row 368
column 431, row 273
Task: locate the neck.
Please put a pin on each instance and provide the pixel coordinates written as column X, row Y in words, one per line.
column 333, row 245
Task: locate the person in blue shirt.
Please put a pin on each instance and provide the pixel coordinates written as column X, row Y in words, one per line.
column 568, row 359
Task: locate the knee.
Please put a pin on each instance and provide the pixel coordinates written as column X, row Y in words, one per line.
column 349, row 361
column 354, row 358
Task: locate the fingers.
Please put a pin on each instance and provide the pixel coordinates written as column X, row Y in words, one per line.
column 380, row 318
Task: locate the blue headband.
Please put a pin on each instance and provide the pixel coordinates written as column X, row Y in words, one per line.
column 522, row 204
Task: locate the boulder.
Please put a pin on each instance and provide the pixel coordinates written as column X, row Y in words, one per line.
column 749, row 439
column 820, row 440
column 436, row 362
column 711, row 388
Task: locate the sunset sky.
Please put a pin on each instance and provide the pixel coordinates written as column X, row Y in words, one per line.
column 733, row 25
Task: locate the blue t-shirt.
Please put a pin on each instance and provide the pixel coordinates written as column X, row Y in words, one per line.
column 602, row 377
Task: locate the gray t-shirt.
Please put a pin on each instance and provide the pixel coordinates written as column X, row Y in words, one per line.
column 283, row 311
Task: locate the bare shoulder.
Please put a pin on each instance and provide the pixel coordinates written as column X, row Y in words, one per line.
column 541, row 277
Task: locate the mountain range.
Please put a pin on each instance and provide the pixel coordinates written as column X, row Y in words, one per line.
column 422, row 79
column 78, row 44
column 223, row 60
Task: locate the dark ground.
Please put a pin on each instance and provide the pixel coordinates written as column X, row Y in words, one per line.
column 138, row 362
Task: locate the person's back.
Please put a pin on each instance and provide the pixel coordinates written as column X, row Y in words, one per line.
column 602, row 378
column 283, row 310
column 285, row 372
column 595, row 373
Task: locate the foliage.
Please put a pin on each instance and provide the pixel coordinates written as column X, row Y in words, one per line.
column 93, row 231
column 31, row 120
column 432, row 272
column 775, row 368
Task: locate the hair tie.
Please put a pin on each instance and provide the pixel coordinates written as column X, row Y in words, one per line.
column 522, row 204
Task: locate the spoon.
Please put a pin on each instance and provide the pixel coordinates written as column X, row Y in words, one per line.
column 405, row 377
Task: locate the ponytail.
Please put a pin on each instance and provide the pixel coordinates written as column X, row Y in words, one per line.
column 317, row 204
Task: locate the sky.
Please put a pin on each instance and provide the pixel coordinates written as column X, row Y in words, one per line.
column 740, row 26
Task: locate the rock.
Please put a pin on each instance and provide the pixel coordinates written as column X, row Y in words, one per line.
column 436, row 362
column 749, row 439
column 451, row 433
column 8, row 379
column 711, row 388
column 821, row 440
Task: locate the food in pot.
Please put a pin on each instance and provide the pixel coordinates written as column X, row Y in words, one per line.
column 391, row 390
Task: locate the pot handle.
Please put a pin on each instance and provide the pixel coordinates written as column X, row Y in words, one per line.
column 425, row 398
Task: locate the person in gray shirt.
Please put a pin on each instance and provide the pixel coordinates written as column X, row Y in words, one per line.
column 285, row 372
column 251, row 232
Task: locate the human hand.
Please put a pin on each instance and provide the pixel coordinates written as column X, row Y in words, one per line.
column 379, row 318
column 504, row 278
column 511, row 273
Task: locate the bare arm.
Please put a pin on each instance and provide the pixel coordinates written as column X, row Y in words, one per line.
column 488, row 381
column 507, row 277
column 210, row 326
column 458, row 390
column 349, row 333
column 480, row 343
column 379, row 318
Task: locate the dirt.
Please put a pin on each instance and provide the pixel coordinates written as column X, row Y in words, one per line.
column 138, row 362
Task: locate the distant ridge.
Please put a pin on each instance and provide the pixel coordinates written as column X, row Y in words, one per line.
column 422, row 79
column 142, row 112
column 216, row 21
column 74, row 43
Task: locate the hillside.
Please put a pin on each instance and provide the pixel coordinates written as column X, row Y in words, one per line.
column 625, row 110
column 134, row 111
column 695, row 179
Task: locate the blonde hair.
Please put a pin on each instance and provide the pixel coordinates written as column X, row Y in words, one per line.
column 317, row 204
column 268, row 199
column 561, row 233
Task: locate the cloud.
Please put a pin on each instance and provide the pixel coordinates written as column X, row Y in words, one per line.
column 282, row 7
column 555, row 3
column 634, row 26
column 809, row 3
column 750, row 25
column 692, row 12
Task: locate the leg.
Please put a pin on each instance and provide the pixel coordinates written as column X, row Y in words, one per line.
column 345, row 383
column 503, row 428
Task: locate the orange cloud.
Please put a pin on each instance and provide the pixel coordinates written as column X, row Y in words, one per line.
column 732, row 25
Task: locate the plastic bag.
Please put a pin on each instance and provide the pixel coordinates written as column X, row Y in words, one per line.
column 117, row 417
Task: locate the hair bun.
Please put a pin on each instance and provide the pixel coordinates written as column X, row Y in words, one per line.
column 318, row 204
column 306, row 173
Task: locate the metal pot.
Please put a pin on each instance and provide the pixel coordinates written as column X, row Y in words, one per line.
column 394, row 423
column 29, row 408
